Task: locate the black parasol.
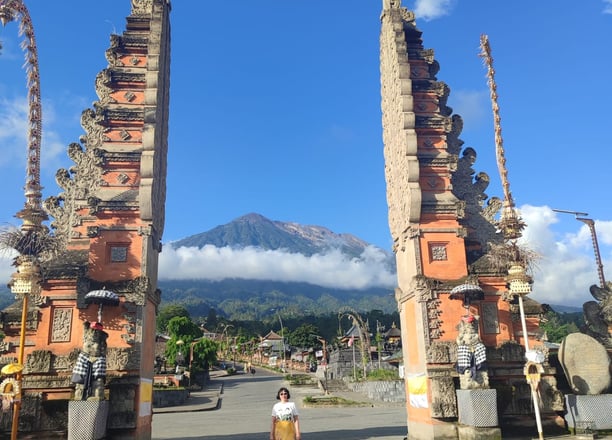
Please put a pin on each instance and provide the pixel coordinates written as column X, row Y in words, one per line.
column 467, row 293
column 102, row 297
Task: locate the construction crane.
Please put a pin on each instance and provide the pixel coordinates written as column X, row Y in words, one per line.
column 581, row 217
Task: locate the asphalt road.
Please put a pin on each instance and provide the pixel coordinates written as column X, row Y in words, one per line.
column 246, row 405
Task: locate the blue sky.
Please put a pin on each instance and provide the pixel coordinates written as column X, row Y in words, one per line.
column 275, row 109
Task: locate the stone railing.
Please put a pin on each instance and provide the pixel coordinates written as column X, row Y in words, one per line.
column 393, row 391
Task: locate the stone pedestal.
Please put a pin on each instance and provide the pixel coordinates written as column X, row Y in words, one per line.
column 87, row 419
column 586, row 413
column 474, row 433
column 477, row 407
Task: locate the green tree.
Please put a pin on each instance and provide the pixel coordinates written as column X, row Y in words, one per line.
column 166, row 313
column 558, row 326
column 211, row 319
column 183, row 331
column 305, row 336
column 204, row 353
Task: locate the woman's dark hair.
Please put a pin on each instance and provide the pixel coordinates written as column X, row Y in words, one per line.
column 280, row 391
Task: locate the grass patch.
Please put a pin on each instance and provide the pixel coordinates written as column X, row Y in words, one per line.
column 382, row 374
column 330, row 401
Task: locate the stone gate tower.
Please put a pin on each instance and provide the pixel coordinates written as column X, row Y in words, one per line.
column 442, row 225
column 111, row 215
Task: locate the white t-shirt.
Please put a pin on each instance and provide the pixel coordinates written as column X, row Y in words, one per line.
column 284, row 411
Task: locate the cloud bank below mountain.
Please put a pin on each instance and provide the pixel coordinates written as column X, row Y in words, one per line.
column 332, row 269
column 563, row 275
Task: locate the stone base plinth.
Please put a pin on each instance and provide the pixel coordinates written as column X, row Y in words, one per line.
column 588, row 413
column 475, row 433
column 87, row 419
column 477, row 407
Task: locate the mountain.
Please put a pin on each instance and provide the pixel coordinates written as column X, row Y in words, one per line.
column 258, row 231
column 565, row 309
column 297, row 289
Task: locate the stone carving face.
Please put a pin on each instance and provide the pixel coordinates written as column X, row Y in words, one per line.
column 468, row 333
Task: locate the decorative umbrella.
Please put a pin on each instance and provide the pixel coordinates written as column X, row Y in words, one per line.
column 467, row 293
column 13, row 368
column 102, row 297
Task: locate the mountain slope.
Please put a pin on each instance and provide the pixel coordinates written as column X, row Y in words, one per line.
column 256, row 300
column 258, row 231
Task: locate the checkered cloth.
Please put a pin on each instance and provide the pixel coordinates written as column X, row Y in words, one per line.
column 94, row 366
column 472, row 359
column 480, row 355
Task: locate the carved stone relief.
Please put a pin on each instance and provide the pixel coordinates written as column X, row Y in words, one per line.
column 75, row 191
column 422, row 288
column 111, row 53
column 102, row 89
column 122, row 359
column 437, row 251
column 471, row 189
column 61, row 327
column 65, row 363
column 490, row 318
column 39, row 361
column 444, row 400
column 425, row 291
column 442, row 352
column 5, row 346
column 142, row 7
column 137, row 290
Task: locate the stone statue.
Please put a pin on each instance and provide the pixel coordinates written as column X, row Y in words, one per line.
column 471, row 356
column 598, row 314
column 89, row 372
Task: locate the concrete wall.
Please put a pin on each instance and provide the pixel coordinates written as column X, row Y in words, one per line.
column 163, row 398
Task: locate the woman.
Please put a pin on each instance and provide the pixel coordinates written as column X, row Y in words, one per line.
column 285, row 418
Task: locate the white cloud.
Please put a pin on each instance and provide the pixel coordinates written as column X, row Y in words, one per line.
column 10, row 50
column 607, row 7
column 567, row 267
column 6, row 267
column 14, row 135
column 431, row 9
column 13, row 131
column 474, row 107
column 330, row 270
